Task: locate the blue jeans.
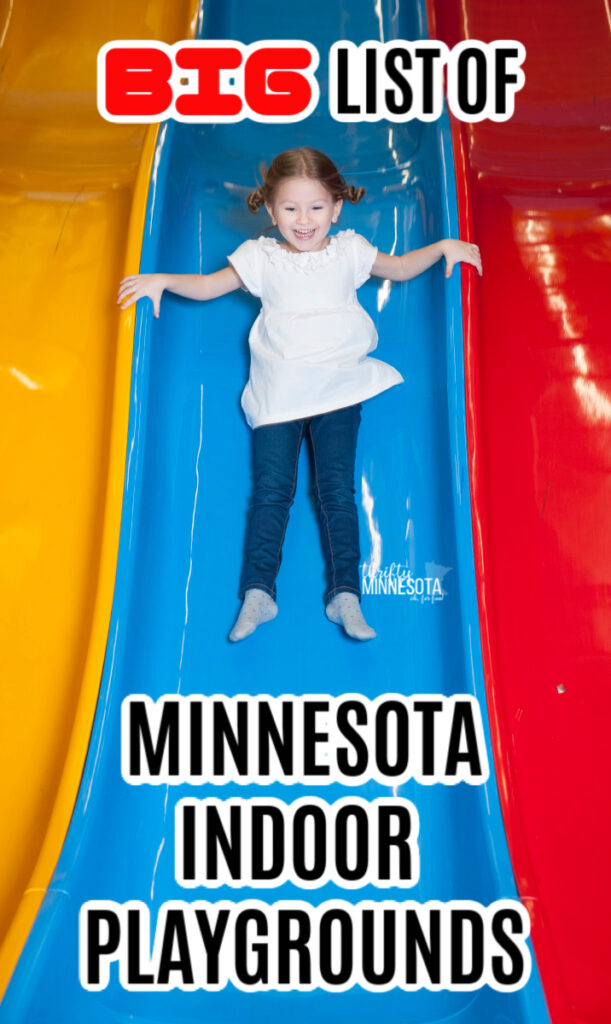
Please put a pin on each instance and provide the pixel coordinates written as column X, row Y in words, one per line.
column 332, row 444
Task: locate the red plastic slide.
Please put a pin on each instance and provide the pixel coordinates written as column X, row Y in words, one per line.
column 536, row 194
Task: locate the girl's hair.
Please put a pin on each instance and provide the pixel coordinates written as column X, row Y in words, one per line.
column 302, row 163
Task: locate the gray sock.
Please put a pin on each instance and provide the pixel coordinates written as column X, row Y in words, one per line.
column 257, row 607
column 345, row 610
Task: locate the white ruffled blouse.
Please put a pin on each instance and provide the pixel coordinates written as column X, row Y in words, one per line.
column 310, row 344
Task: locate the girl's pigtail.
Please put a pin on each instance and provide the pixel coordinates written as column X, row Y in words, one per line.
column 255, row 199
column 354, row 195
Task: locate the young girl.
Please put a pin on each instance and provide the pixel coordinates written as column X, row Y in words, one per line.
column 310, row 368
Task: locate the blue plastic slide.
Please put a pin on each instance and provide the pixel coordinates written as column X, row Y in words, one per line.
column 187, row 485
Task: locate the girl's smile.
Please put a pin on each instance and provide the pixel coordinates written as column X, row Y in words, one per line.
column 303, row 210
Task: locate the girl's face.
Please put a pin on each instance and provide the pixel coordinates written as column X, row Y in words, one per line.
column 304, row 211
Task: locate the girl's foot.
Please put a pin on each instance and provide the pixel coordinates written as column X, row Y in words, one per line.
column 257, row 607
column 345, row 610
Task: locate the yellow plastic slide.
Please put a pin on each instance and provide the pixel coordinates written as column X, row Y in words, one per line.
column 73, row 195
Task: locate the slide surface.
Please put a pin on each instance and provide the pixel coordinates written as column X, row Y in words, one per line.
column 186, row 493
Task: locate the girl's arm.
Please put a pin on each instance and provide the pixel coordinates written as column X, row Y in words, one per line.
column 402, row 268
column 191, row 286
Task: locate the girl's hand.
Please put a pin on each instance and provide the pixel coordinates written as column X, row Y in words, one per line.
column 456, row 251
column 141, row 286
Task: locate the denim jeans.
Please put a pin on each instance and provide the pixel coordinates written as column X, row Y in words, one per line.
column 332, row 444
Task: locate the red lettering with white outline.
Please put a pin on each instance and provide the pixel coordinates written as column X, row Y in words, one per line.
column 207, row 81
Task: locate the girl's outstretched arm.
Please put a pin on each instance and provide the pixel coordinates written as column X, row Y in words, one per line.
column 190, row 286
column 403, row 268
